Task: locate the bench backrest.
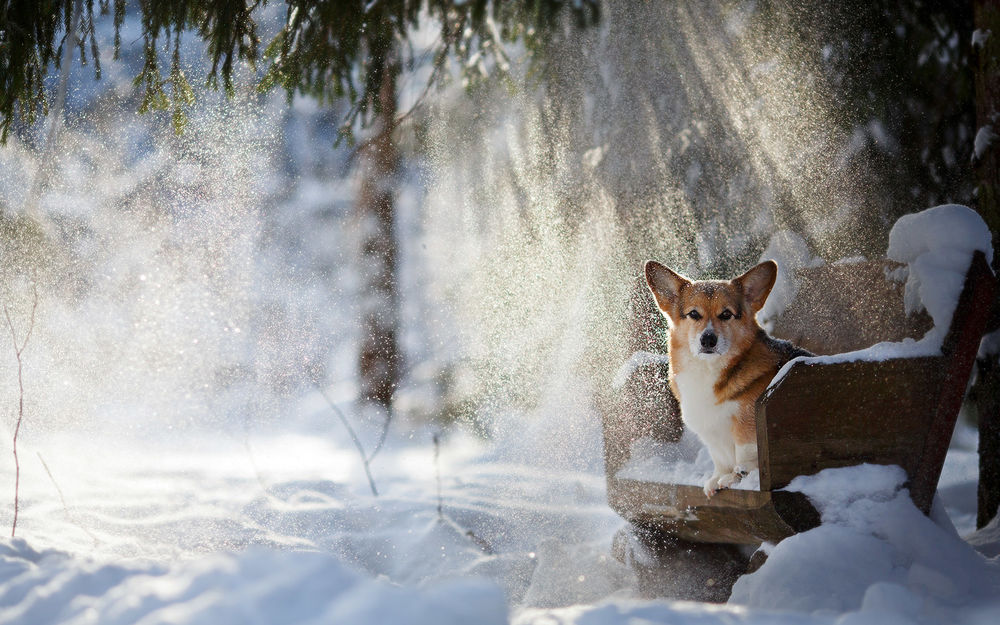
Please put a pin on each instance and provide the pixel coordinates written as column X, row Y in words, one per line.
column 845, row 307
column 898, row 411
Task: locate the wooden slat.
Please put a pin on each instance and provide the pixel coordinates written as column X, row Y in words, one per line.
column 822, row 416
column 973, row 311
column 988, row 403
column 731, row 516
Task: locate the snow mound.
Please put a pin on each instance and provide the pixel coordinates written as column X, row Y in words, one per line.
column 875, row 556
column 254, row 586
column 979, row 37
column 664, row 613
column 937, row 246
column 834, row 491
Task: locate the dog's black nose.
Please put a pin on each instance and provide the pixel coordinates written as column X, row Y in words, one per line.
column 708, row 340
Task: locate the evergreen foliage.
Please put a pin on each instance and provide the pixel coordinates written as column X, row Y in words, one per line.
column 329, row 49
column 907, row 68
column 337, row 49
column 32, row 36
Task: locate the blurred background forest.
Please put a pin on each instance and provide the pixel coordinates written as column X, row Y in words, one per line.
column 440, row 207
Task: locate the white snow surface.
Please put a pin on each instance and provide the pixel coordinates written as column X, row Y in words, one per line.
column 875, row 556
column 987, row 539
column 281, row 528
column 685, row 462
column 937, row 246
column 253, row 586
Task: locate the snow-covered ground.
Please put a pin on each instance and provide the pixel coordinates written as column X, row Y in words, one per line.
column 283, row 528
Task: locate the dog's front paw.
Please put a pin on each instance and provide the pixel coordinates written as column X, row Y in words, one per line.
column 729, row 479
column 712, row 486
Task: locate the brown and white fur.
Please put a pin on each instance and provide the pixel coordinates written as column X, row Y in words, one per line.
column 721, row 360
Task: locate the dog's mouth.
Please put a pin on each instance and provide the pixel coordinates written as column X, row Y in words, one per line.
column 708, row 351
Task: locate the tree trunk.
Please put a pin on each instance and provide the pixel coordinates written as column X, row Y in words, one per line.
column 987, row 388
column 379, row 357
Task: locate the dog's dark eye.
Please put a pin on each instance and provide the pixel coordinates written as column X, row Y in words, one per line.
column 725, row 315
column 694, row 315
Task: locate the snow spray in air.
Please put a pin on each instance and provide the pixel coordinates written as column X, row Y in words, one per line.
column 692, row 144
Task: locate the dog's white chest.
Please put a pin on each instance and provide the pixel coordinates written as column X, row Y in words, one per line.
column 700, row 410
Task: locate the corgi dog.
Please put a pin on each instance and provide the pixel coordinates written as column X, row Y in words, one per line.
column 721, row 360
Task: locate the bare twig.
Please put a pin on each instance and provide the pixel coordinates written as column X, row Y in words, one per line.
column 382, row 435
column 62, row 498
column 365, row 460
column 20, row 404
column 437, row 473
column 244, row 441
column 421, row 99
column 442, row 518
column 253, row 464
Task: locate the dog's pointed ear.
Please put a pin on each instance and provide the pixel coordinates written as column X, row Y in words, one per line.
column 665, row 285
column 757, row 283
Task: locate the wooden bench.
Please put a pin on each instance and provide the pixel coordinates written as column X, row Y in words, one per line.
column 819, row 415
